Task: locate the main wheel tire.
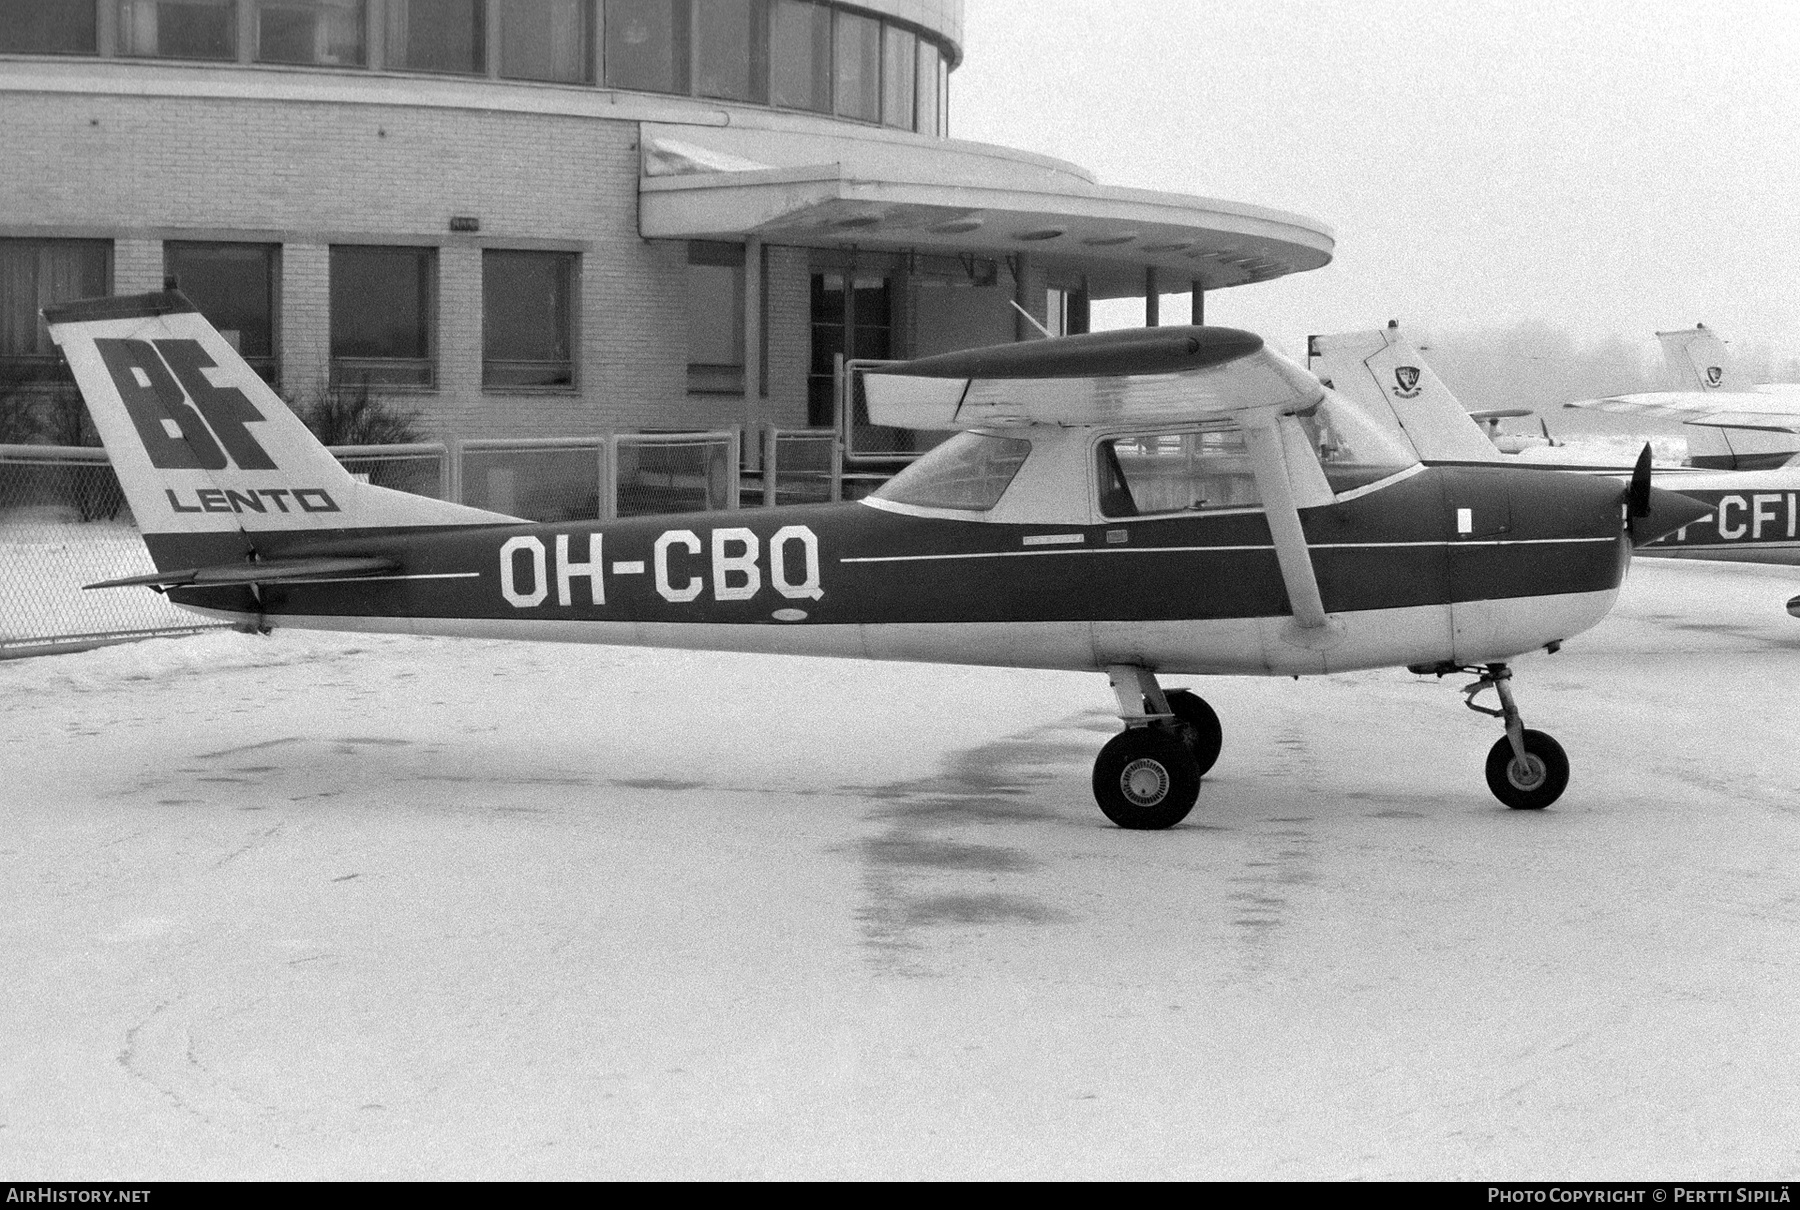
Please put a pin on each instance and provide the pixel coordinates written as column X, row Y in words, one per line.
column 1146, row 778
column 1208, row 736
column 1536, row 784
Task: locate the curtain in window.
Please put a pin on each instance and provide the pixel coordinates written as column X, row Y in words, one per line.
column 36, row 273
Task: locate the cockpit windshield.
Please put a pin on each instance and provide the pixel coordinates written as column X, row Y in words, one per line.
column 969, row 472
column 1353, row 449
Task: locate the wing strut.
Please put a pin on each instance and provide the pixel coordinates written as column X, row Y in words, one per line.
column 1268, row 460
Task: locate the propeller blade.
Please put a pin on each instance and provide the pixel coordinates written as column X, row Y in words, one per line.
column 1638, row 494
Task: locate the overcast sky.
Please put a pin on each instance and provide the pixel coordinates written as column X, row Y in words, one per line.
column 1606, row 168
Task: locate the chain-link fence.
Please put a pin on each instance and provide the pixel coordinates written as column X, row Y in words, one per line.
column 675, row 472
column 801, row 466
column 423, row 469
column 545, row 480
column 64, row 521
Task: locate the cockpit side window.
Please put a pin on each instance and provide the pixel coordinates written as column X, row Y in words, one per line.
column 1200, row 470
column 969, row 472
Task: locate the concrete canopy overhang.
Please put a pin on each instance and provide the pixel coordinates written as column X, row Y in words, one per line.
column 1107, row 235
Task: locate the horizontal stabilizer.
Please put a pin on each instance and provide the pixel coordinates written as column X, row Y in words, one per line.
column 270, row 571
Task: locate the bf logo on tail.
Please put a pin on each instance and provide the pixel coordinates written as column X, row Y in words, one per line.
column 157, row 380
column 1406, row 381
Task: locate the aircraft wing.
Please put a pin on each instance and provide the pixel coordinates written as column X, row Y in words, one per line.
column 1715, row 409
column 1139, row 374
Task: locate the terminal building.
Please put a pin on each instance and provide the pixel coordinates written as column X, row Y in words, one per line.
column 550, row 219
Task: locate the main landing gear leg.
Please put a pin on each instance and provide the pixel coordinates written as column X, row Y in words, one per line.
column 1147, row 775
column 1527, row 770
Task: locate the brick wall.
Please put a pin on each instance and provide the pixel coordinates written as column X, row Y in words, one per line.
column 308, row 175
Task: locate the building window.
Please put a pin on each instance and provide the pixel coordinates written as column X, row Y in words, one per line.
column 178, row 29
column 930, row 64
column 800, row 55
column 35, row 273
column 858, row 74
column 528, row 319
column 647, row 45
column 547, row 40
column 323, row 33
column 234, row 285
column 715, row 306
column 383, row 315
column 49, row 27
column 437, row 35
column 731, row 39
column 899, row 76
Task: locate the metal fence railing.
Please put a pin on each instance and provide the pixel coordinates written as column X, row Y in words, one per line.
column 65, row 523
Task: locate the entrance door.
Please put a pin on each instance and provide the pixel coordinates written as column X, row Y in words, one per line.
column 852, row 317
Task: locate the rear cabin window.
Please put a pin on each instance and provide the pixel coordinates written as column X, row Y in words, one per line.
column 970, row 471
column 1353, row 450
column 1148, row 473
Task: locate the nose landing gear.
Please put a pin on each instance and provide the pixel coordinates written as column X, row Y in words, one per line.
column 1148, row 775
column 1527, row 770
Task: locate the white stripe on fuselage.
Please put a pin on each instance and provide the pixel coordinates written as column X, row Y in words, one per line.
column 1166, row 550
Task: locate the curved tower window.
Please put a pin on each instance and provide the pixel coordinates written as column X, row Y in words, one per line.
column 899, row 76
column 858, row 74
column 438, row 35
column 931, row 62
column 731, row 50
column 800, row 55
column 49, row 27
column 326, row 33
column 647, row 45
column 178, row 29
column 546, row 40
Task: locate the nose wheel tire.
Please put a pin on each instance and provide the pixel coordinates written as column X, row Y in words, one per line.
column 1146, row 778
column 1532, row 784
column 1208, row 736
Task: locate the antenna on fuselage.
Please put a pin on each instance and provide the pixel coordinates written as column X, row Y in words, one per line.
column 1032, row 319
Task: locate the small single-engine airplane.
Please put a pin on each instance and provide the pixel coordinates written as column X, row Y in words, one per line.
column 1754, row 515
column 1145, row 502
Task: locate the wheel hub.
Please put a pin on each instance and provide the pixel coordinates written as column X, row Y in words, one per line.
column 1527, row 774
column 1144, row 782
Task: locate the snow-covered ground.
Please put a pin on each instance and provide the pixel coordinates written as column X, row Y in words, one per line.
column 350, row 906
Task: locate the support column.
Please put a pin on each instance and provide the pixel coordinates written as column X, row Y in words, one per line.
column 753, row 351
column 1152, row 300
column 1199, row 303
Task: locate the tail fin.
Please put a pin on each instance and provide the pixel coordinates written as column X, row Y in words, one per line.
column 1381, row 370
column 209, row 457
column 1696, row 359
